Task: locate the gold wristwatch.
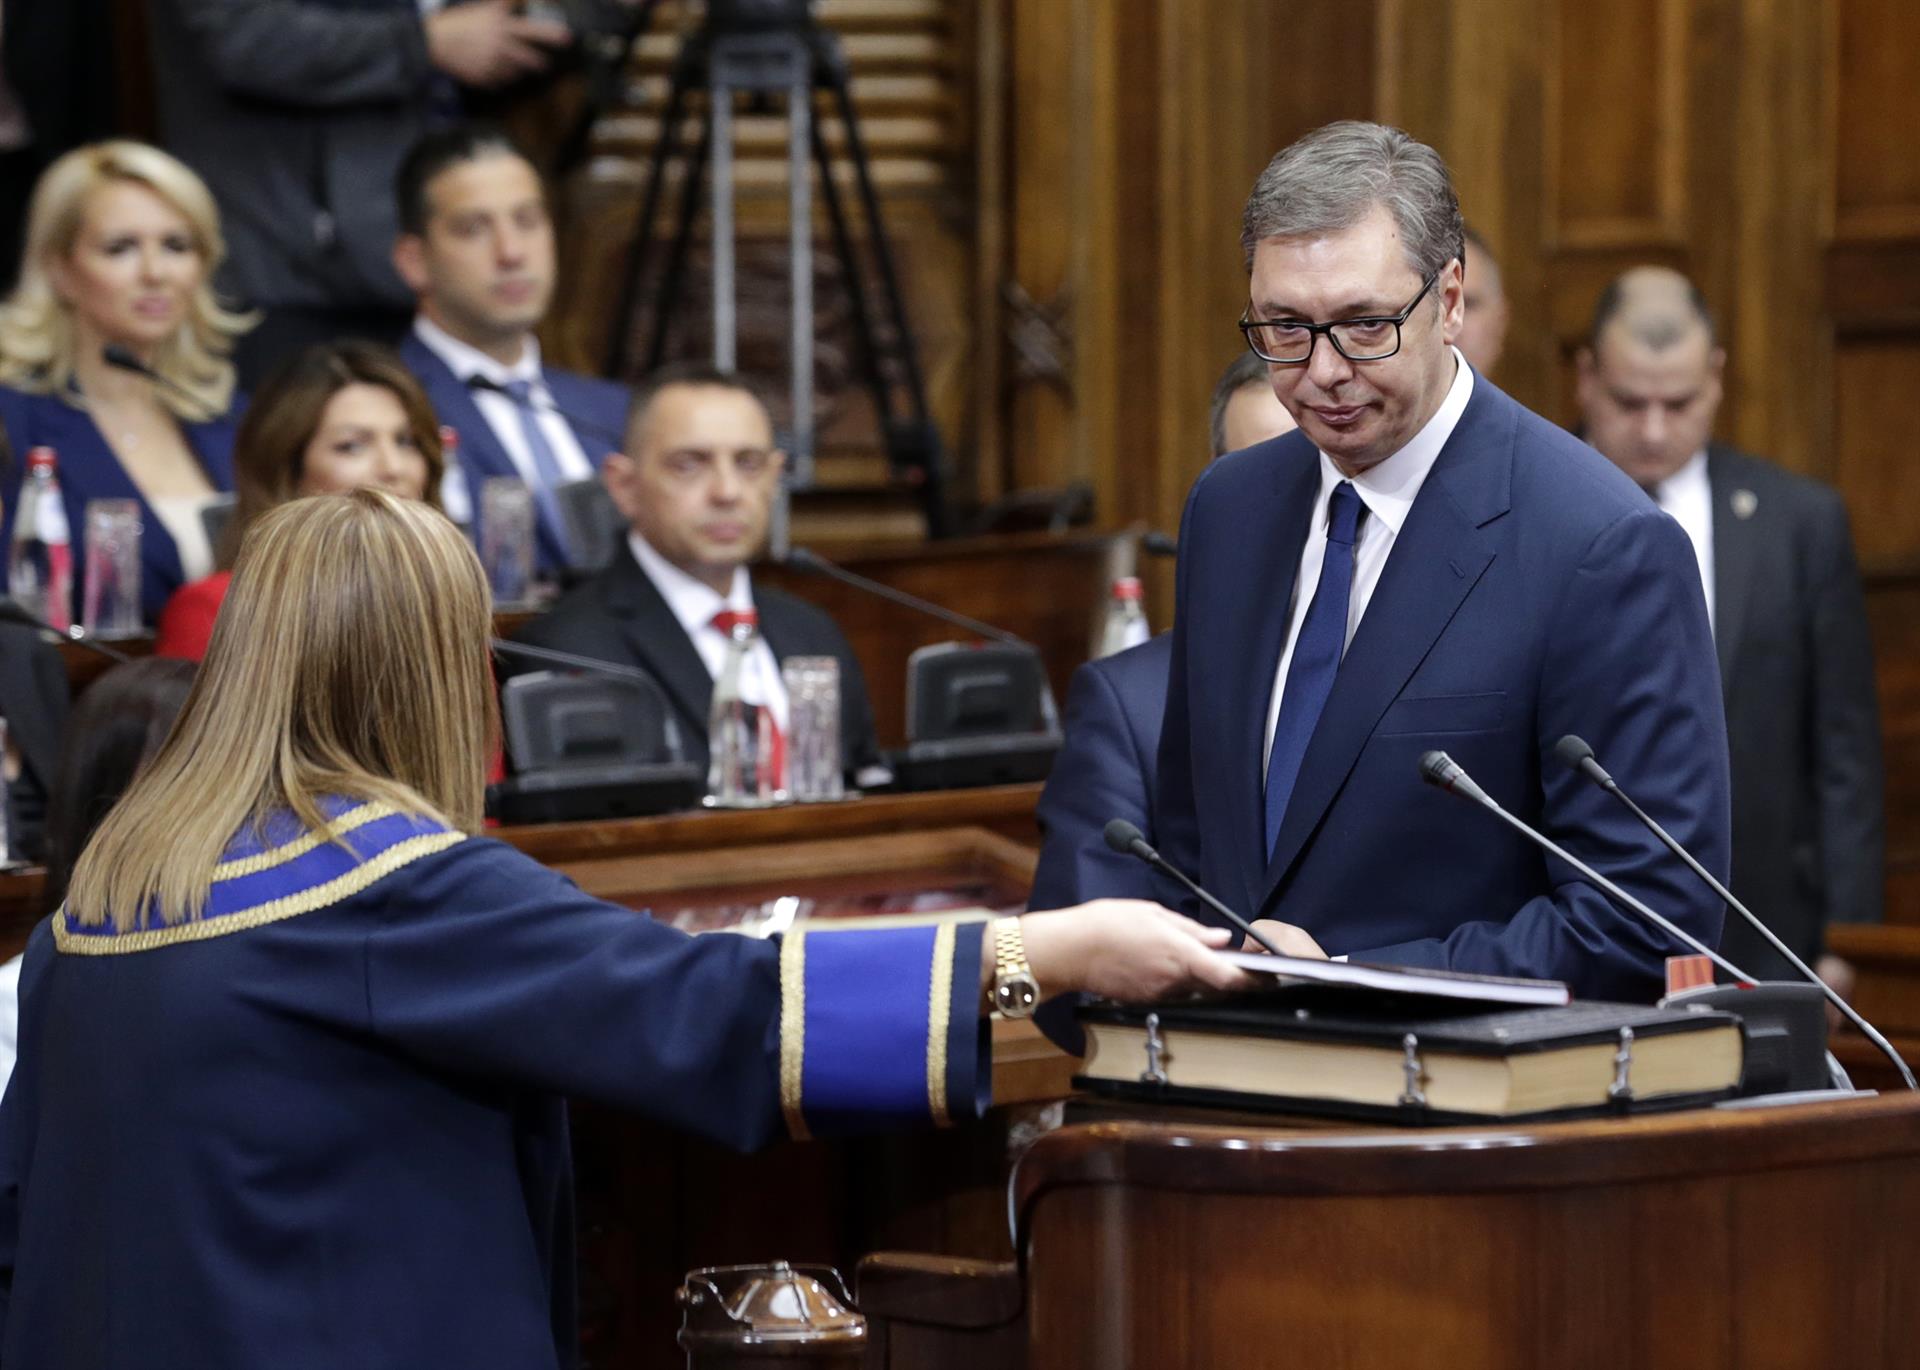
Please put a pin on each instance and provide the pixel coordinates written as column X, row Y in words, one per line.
column 1015, row 992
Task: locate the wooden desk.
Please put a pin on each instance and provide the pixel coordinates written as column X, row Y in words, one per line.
column 1710, row 1240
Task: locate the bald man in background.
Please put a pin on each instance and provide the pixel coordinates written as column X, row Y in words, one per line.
column 1483, row 334
column 1789, row 623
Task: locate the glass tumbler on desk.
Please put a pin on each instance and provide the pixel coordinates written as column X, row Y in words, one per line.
column 506, row 538
column 110, row 604
column 814, row 770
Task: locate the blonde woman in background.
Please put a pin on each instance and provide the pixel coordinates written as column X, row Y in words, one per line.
column 122, row 244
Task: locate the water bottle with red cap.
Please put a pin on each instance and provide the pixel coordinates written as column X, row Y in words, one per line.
column 40, row 561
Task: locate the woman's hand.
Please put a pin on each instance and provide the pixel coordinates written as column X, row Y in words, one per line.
column 1126, row 949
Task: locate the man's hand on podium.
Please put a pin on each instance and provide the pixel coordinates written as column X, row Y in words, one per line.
column 1290, row 940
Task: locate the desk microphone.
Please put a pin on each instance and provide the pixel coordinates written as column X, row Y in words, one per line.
column 1443, row 772
column 12, row 611
column 1577, row 756
column 1128, row 840
column 547, row 406
column 1159, row 544
column 800, row 559
column 502, row 647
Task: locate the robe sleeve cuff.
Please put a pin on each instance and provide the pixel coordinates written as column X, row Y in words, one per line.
column 880, row 1029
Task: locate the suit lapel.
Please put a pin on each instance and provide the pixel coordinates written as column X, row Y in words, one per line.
column 1438, row 557
column 657, row 640
column 1259, row 619
column 481, row 454
column 1736, row 532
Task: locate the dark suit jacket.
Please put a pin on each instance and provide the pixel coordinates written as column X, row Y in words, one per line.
column 1106, row 769
column 596, row 410
column 33, row 701
column 89, row 470
column 620, row 616
column 1803, row 725
column 1534, row 591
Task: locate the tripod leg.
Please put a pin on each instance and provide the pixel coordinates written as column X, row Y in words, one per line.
column 870, row 360
column 675, row 275
column 619, row 341
column 919, row 448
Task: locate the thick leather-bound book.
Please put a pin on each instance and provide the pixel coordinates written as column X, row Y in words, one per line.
column 1401, row 1058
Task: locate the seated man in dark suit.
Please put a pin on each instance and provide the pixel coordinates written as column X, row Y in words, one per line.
column 1105, row 768
column 1789, row 620
column 1426, row 565
column 476, row 248
column 696, row 484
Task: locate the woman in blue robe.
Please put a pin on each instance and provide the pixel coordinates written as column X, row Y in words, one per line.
column 293, row 1054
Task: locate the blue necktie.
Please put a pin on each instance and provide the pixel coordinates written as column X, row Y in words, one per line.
column 1316, row 657
column 546, row 464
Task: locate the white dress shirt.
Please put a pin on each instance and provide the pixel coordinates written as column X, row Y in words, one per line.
column 694, row 603
column 1688, row 496
column 1387, row 490
column 500, row 412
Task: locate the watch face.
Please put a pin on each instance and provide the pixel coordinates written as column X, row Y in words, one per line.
column 1016, row 996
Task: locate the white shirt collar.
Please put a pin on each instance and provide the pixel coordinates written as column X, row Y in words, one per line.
column 1688, row 483
column 693, row 601
column 1388, row 488
column 467, row 361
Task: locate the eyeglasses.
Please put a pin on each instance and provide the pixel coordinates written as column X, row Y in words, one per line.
column 1358, row 340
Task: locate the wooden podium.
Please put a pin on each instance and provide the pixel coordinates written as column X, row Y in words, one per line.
column 1709, row 1240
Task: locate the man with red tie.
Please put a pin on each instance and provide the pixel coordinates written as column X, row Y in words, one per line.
column 696, row 485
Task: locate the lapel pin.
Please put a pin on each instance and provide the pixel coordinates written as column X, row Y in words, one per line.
column 1745, row 502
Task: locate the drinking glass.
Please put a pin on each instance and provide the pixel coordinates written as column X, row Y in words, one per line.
column 110, row 604
column 814, row 770
column 507, row 521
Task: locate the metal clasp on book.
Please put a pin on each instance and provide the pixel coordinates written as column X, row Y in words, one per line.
column 1411, row 1094
column 1621, row 1090
column 1156, row 1071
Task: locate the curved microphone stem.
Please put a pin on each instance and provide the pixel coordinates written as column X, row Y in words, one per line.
column 802, row 559
column 12, row 612
column 1867, row 1029
column 503, row 647
column 1437, row 768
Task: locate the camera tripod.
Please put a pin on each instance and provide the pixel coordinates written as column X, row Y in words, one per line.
column 768, row 48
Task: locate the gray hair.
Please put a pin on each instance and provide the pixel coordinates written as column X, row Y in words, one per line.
column 1331, row 178
column 1243, row 371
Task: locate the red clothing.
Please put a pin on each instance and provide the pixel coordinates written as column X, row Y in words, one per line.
column 186, row 624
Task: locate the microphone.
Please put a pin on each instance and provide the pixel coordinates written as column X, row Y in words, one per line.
column 803, row 560
column 572, row 416
column 502, row 647
column 12, row 611
column 1577, row 756
column 1443, row 772
column 1159, row 544
column 1128, row 840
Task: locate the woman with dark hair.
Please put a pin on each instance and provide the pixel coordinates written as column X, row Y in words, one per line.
column 337, row 417
column 119, row 722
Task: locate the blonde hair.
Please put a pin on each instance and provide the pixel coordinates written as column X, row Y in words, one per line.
column 37, row 339
column 350, row 658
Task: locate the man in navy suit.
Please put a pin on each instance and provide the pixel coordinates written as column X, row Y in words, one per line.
column 476, row 248
column 1425, row 564
column 1105, row 769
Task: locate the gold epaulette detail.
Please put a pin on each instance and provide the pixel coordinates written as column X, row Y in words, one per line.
column 307, row 901
column 353, row 818
column 793, row 1030
column 939, row 1014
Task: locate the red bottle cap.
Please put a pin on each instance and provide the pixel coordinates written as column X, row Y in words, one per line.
column 42, row 459
column 1128, row 587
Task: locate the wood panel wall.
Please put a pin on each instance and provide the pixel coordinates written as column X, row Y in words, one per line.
column 1070, row 175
